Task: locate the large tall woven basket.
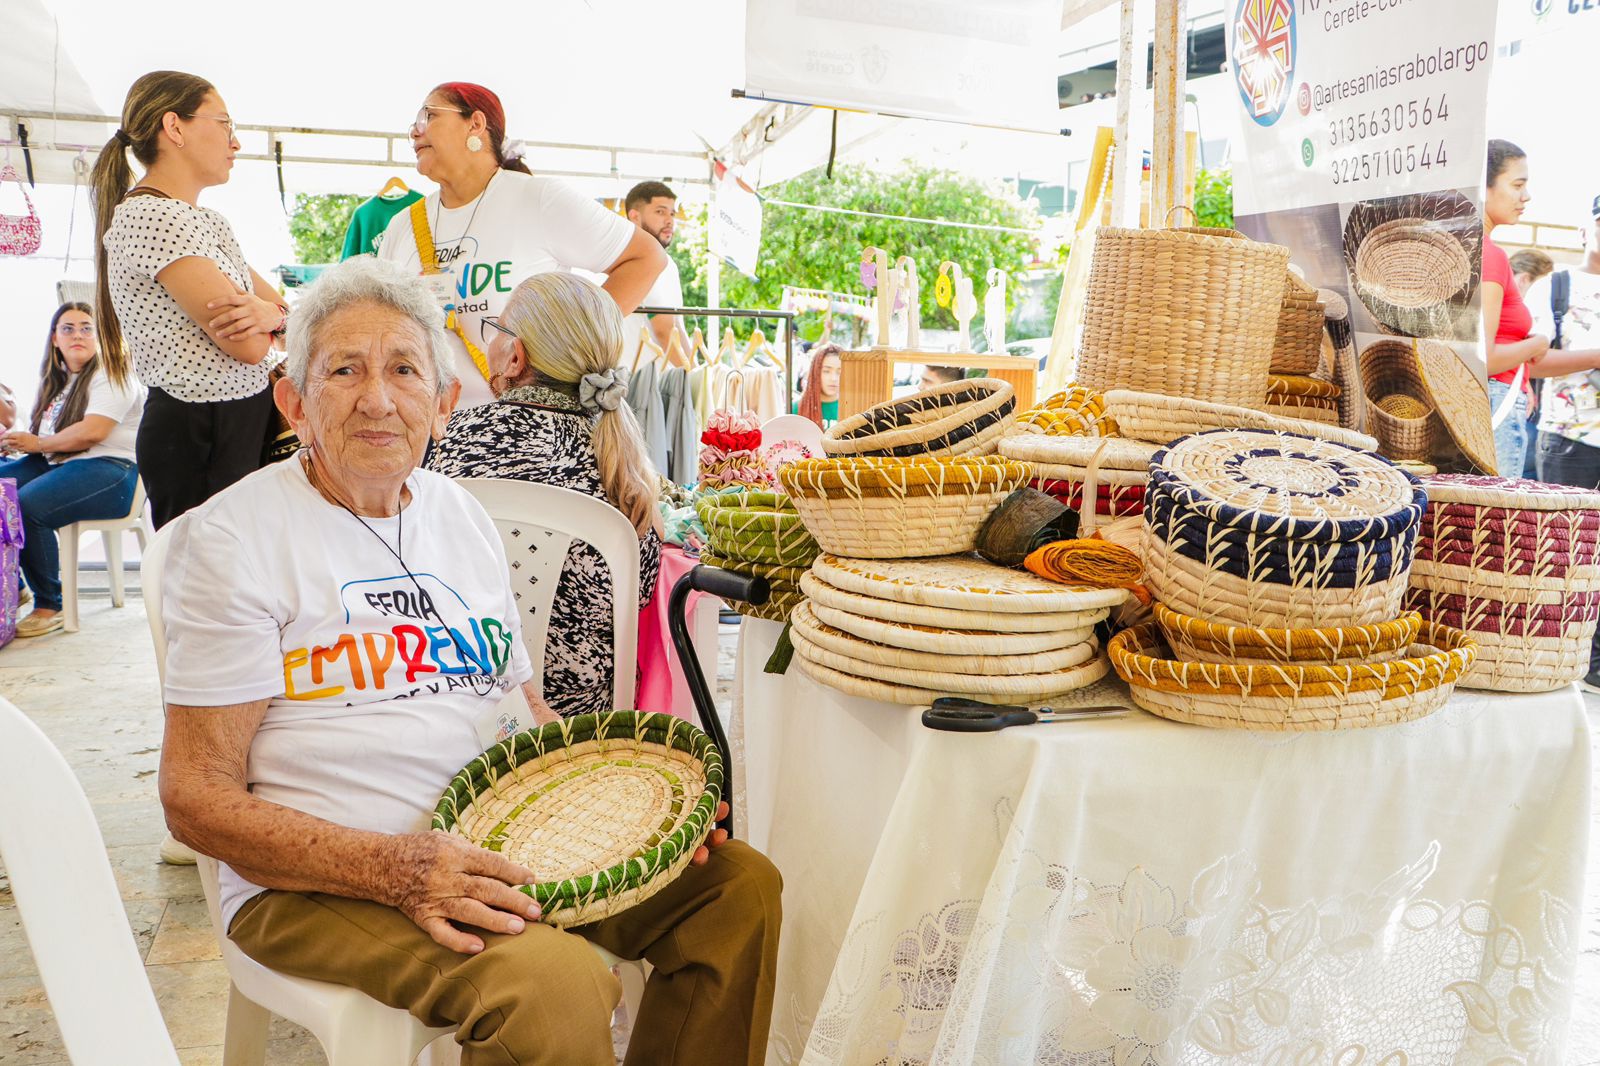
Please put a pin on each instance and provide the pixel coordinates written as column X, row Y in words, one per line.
column 1184, row 312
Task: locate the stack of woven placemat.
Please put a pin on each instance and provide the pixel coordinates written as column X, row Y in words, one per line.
column 1302, row 396
column 911, row 630
column 1073, row 412
column 760, row 534
column 1114, row 469
column 1517, row 564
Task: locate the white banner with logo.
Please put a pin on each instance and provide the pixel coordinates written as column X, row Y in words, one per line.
column 736, row 222
column 990, row 63
column 1362, row 150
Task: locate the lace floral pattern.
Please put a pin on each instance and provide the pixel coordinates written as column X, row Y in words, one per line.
column 1145, row 974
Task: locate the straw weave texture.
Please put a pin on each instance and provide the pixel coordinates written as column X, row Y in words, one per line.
column 962, row 417
column 1164, row 419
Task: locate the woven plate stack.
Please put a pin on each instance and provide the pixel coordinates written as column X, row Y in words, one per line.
column 1163, row 419
column 911, row 630
column 1280, row 563
column 759, row 534
column 899, row 508
column 1275, row 530
column 1303, row 397
column 1073, row 412
column 958, row 418
column 1063, row 466
column 1516, row 564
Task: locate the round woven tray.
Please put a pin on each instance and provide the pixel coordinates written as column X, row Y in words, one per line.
column 948, row 642
column 933, row 664
column 957, row 418
column 1195, row 589
column 756, row 525
column 821, row 592
column 1280, row 697
column 1074, row 411
column 1199, row 640
column 1411, row 261
column 1288, row 486
column 960, row 583
column 870, row 686
column 1107, row 453
column 1327, row 416
column 1297, row 406
column 605, row 809
column 894, row 508
column 1164, row 419
column 1460, row 399
column 1511, row 494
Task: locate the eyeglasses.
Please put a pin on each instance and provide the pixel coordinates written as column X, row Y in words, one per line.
column 489, row 325
column 67, row 329
column 224, row 119
column 425, row 116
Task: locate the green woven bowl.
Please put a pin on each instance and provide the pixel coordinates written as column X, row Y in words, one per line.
column 606, row 809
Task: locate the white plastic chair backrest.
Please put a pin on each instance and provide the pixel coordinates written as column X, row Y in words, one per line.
column 138, row 499
column 70, row 906
column 151, row 563
column 537, row 524
column 792, row 427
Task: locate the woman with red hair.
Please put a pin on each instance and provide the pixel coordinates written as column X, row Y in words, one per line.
column 819, row 400
column 492, row 224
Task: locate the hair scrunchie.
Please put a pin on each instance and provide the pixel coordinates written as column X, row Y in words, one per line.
column 122, row 136
column 603, row 392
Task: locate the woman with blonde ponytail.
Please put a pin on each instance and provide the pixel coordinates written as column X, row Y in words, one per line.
column 177, row 303
column 561, row 417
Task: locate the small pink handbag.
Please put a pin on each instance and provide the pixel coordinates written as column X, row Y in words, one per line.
column 19, row 234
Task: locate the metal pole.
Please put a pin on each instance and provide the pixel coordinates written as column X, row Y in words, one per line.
column 713, row 261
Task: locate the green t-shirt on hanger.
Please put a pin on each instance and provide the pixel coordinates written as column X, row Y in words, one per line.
column 371, row 219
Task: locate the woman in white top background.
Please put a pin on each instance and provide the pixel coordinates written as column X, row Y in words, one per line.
column 493, row 224
column 177, row 297
column 78, row 455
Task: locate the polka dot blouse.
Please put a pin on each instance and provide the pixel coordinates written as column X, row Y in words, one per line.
column 170, row 350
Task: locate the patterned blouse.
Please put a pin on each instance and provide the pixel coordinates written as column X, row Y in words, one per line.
column 536, row 434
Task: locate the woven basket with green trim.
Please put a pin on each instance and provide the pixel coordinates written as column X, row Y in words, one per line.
column 606, row 809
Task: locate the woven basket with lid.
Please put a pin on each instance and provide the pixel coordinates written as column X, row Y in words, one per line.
column 957, row 418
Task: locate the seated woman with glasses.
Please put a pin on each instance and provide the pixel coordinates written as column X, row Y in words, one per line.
column 561, row 418
column 77, row 463
column 493, row 223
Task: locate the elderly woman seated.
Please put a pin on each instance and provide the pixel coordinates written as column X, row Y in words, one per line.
column 343, row 639
column 561, row 418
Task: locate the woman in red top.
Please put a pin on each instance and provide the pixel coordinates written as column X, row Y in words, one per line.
column 1510, row 346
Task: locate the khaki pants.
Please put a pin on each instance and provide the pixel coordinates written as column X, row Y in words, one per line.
column 543, row 996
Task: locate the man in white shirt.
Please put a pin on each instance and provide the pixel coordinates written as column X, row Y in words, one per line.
column 652, row 206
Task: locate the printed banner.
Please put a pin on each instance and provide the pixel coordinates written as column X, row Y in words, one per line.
column 1363, row 147
column 991, row 63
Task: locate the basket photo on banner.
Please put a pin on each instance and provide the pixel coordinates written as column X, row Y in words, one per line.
column 1362, row 151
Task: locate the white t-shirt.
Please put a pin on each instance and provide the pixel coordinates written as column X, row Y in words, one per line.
column 667, row 291
column 124, row 406
column 170, row 350
column 1571, row 405
column 374, row 704
column 518, row 226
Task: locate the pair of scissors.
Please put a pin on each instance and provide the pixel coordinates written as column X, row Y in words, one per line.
column 957, row 714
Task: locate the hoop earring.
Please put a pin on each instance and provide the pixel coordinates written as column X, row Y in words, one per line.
column 474, row 143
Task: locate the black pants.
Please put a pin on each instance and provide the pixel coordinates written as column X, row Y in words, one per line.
column 189, row 452
column 1563, row 461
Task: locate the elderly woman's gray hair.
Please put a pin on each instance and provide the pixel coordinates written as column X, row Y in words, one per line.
column 365, row 279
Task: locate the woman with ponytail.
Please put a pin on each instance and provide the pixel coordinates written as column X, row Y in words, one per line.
column 178, row 304
column 77, row 462
column 492, row 223
column 561, row 418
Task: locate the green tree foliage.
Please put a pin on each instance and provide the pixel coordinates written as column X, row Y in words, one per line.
column 1213, row 198
column 318, row 223
column 821, row 250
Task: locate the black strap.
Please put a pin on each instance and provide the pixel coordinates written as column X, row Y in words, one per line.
column 27, row 156
column 1560, row 300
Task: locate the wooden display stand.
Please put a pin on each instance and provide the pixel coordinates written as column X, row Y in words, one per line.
column 867, row 377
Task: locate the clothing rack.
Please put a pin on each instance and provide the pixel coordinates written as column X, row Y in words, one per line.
column 786, row 317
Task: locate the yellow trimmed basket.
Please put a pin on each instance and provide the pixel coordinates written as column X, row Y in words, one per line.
column 1199, row 640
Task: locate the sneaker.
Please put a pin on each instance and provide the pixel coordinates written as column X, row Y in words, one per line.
column 1592, row 682
column 174, row 853
column 37, row 625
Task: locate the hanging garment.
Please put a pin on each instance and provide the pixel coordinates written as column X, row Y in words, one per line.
column 682, row 427
column 644, row 396
column 700, row 382
column 366, row 228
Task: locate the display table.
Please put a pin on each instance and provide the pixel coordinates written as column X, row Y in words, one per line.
column 1138, row 891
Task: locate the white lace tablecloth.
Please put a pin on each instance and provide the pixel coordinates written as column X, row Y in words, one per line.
column 1135, row 891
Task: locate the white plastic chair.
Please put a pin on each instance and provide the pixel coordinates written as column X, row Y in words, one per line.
column 70, row 906
column 354, row 1029
column 110, row 530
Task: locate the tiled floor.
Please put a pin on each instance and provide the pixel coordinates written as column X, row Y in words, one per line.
column 95, row 695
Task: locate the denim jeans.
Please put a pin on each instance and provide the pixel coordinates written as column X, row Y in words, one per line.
column 52, row 496
column 1510, row 436
column 1563, row 461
